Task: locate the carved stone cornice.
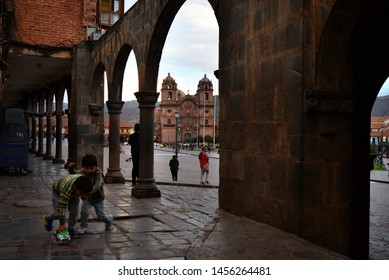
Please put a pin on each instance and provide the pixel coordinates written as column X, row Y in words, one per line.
column 147, row 99
column 96, row 109
column 115, row 106
column 329, row 102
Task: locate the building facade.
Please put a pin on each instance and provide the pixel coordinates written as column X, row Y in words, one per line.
column 379, row 134
column 36, row 63
column 190, row 117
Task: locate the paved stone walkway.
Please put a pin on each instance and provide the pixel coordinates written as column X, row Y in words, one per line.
column 184, row 223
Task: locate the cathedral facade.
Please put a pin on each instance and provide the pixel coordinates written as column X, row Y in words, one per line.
column 187, row 117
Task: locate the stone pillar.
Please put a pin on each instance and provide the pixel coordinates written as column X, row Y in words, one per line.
column 146, row 186
column 58, row 138
column 49, row 154
column 49, row 105
column 40, row 153
column 33, row 149
column 114, row 174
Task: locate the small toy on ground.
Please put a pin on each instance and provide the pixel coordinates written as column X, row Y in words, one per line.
column 63, row 236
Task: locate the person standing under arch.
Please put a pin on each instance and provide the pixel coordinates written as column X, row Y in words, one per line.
column 134, row 142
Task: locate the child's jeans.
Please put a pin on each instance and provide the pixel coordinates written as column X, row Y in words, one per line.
column 72, row 207
column 204, row 172
column 100, row 212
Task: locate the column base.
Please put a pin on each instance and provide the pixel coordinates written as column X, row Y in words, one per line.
column 114, row 176
column 48, row 157
column 145, row 189
column 58, row 160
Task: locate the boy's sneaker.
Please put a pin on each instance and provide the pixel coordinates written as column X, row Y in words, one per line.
column 81, row 230
column 72, row 232
column 48, row 224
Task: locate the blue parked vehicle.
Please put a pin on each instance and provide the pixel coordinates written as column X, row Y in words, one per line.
column 14, row 141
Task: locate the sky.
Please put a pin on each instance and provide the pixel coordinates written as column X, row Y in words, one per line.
column 384, row 89
column 190, row 51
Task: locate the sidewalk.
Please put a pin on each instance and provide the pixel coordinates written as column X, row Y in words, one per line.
column 379, row 176
column 184, row 223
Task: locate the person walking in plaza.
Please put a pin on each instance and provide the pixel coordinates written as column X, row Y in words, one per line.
column 174, row 163
column 65, row 195
column 95, row 197
column 204, row 165
column 134, row 142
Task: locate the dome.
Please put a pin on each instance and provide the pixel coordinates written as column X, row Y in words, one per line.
column 169, row 83
column 169, row 79
column 205, row 83
column 205, row 79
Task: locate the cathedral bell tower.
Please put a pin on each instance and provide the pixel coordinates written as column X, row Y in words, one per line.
column 204, row 96
column 170, row 97
column 169, row 92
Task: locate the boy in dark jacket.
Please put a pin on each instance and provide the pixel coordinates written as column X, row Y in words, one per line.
column 174, row 167
column 134, row 142
column 96, row 197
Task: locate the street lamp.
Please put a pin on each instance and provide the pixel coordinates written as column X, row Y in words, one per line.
column 205, row 95
column 177, row 116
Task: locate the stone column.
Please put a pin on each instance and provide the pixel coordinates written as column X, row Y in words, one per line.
column 49, row 154
column 49, row 112
column 114, row 174
column 33, row 149
column 40, row 153
column 58, row 137
column 146, row 186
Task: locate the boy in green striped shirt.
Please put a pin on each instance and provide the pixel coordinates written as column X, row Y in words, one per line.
column 65, row 195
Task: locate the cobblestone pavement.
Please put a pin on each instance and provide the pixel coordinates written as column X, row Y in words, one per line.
column 379, row 215
column 184, row 223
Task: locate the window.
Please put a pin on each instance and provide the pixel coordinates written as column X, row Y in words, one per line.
column 109, row 12
column 169, row 122
column 206, row 122
column 206, row 96
column 169, row 96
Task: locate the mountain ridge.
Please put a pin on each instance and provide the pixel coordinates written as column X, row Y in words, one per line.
column 381, row 107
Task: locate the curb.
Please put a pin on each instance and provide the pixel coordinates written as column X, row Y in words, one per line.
column 183, row 184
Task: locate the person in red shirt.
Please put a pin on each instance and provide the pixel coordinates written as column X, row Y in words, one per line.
column 204, row 165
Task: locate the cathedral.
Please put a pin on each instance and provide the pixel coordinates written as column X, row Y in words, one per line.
column 190, row 117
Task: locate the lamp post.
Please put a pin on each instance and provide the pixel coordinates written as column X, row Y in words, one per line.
column 204, row 120
column 177, row 116
column 198, row 123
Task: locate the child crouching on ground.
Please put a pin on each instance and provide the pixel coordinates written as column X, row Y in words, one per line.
column 94, row 198
column 65, row 195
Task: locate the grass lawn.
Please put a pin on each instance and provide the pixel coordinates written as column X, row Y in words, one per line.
column 377, row 168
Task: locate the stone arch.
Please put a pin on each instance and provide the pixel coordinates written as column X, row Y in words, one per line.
column 148, row 81
column 159, row 35
column 98, row 84
column 358, row 32
column 118, row 73
column 351, row 66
